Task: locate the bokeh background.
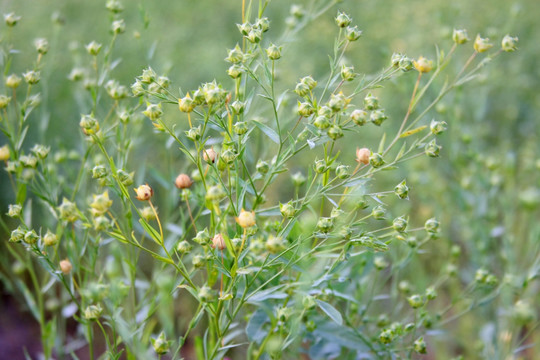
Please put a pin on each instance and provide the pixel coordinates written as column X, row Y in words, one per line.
column 484, row 189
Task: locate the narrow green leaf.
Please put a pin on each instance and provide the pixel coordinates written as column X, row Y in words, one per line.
column 381, row 144
column 331, row 311
column 268, row 131
column 413, row 131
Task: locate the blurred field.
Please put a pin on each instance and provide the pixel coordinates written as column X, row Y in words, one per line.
column 493, row 135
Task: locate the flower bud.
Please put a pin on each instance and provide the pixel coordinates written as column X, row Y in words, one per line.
column 400, row 224
column 147, row 213
column 262, row 167
column 325, row 111
column 432, row 149
column 325, row 224
column 275, row 244
column 228, row 156
column 194, row 133
column 363, row 155
column 320, row 166
column 352, row 33
column 198, row 261
column 160, row 344
column 206, row 294
column 402, row 190
column 14, row 210
column 343, row 172
column 378, row 212
column 359, row 117
column 4, row 101
column 235, row 71
column 482, row 44
column 432, row 225
column 41, row 151
column 371, row 102
column 415, row 301
column 347, row 73
column 343, row 20
column 183, row 181
column 423, row 65
column 509, row 43
column 255, row 35
column 335, row 132
column 376, row 160
column 30, row 237
column 210, row 155
column 215, row 193
column 28, row 161
column 396, row 58
column 137, row 88
column 309, row 82
column 124, row 177
column 68, row 211
column 244, row 28
column 101, row 204
column 298, row 179
column 309, row 302
column 92, row 312
column 218, row 242
column 50, row 239
column 302, row 89
column 65, row 266
column 240, row 128
column 263, row 24
column 144, row 192
column 287, row 209
column 93, row 48
column 380, row 263
column 386, row 336
column 338, row 102
column 17, row 235
column 114, row 6
column 321, row 122
column 184, row 247
column 246, row 218
column 118, row 26
column 238, row 107
column 377, row 117
column 89, row 125
column 420, row 345
column 235, row 55
column 153, row 111
column 32, row 77
column 460, row 36
column 437, row 127
column 11, row 19
column 41, row 45
column 186, row 104
column 405, row 64
column 305, row 109
column 202, row 237
column 99, row 172
column 13, row 81
column 431, row 293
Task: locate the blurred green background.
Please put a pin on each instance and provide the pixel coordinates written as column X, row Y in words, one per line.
column 490, row 153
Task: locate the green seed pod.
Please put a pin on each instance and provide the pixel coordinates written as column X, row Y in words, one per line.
column 93, row 312
column 415, row 301
column 4, row 101
column 262, row 167
column 377, row 117
column 240, row 128
column 437, row 127
column 420, row 345
column 509, row 43
column 343, row 20
column 184, row 247
column 287, row 209
column 378, row 212
column 302, row 89
column 305, row 109
column 30, row 237
column 89, row 125
column 118, row 26
column 125, row 178
column 238, row 107
column 396, row 58
column 309, row 82
column 376, row 160
column 206, row 294
column 352, row 33
column 235, row 71
column 380, row 263
column 325, row 111
column 343, row 172
column 371, row 102
column 235, row 55
column 153, row 111
column 101, row 223
column 325, row 224
column 338, row 102
column 254, row 36
column 17, row 235
column 50, row 239
column 13, row 81
column 137, row 87
column 346, row 232
column 273, row 52
column 406, row 64
column 335, row 132
column 386, row 336
column 347, row 73
column 431, row 293
column 14, row 210
column 32, row 77
column 68, row 211
column 160, row 344
column 198, row 261
column 402, row 190
column 321, row 122
column 194, row 133
column 359, row 117
column 202, row 237
column 263, row 24
column 400, row 224
column 228, row 156
column 460, row 36
column 148, row 214
column 320, row 166
column 383, row 320
column 432, row 225
column 432, row 149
